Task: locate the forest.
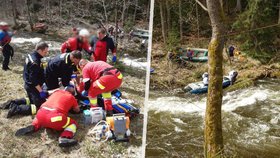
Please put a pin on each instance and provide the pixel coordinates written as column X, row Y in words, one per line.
column 251, row 25
column 56, row 14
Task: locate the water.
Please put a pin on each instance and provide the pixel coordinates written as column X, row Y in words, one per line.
column 251, row 123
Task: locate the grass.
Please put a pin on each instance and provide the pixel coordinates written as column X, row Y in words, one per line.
column 172, row 73
column 44, row 143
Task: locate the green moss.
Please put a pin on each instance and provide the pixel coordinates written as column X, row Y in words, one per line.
column 240, row 85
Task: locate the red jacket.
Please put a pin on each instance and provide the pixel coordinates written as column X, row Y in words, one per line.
column 102, row 47
column 75, row 43
column 62, row 101
column 93, row 69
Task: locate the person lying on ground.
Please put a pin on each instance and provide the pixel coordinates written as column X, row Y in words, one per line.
column 33, row 76
column 100, row 78
column 53, row 114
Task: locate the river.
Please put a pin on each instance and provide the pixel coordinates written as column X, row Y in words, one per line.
column 251, row 123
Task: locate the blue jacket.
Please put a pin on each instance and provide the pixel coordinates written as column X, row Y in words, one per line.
column 5, row 37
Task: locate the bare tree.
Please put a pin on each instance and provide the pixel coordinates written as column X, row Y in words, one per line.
column 30, row 20
column 213, row 118
column 180, row 20
column 105, row 11
column 238, row 6
column 14, row 11
column 162, row 17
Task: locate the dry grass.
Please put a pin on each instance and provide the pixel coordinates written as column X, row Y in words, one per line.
column 44, row 142
column 171, row 74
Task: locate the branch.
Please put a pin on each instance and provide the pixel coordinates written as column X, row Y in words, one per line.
column 202, row 6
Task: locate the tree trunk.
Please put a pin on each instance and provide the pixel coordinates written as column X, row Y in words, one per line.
column 30, row 21
column 105, row 11
column 168, row 22
column 116, row 21
column 238, row 6
column 197, row 20
column 135, row 11
column 279, row 12
column 180, row 20
column 14, row 12
column 163, row 29
column 213, row 121
column 123, row 11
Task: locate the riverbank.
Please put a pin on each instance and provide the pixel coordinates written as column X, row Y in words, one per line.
column 44, row 142
column 172, row 75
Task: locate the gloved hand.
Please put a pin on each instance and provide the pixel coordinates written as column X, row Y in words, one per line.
column 114, row 59
column 44, row 94
column 84, row 93
column 74, row 76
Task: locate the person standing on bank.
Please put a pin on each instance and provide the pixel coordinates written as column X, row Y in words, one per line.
column 5, row 47
column 101, row 46
column 33, row 76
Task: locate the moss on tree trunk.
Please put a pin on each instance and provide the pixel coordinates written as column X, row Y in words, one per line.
column 213, row 123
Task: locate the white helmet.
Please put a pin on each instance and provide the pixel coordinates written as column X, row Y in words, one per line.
column 2, row 23
column 205, row 74
column 84, row 33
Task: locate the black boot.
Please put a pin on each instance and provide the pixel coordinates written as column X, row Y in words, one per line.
column 19, row 110
column 25, row 130
column 66, row 142
column 7, row 104
column 14, row 110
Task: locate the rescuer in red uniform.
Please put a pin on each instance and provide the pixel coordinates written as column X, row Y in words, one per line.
column 100, row 78
column 54, row 114
column 77, row 43
column 101, row 46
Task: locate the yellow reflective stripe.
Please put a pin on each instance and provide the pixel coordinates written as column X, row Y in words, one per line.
column 56, row 118
column 120, row 76
column 67, row 123
column 93, row 101
column 107, row 95
column 33, row 109
column 27, row 101
column 71, row 128
column 66, row 58
column 100, row 85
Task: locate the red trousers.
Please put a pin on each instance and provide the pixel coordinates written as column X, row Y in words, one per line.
column 105, row 84
column 51, row 118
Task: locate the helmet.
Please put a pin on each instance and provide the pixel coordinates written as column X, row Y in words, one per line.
column 2, row 23
column 84, row 32
column 188, row 48
column 205, row 74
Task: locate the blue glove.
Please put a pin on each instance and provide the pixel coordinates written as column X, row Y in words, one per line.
column 84, row 93
column 44, row 94
column 114, row 59
column 74, row 76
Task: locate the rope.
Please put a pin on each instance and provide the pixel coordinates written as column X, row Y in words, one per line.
column 96, row 133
